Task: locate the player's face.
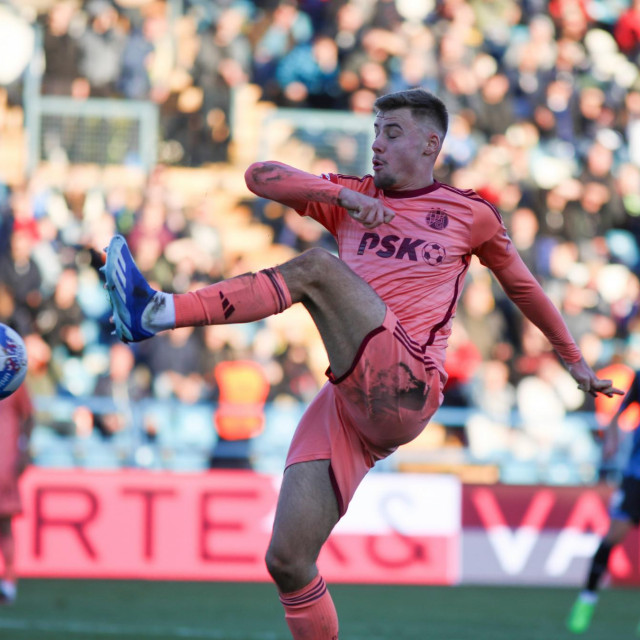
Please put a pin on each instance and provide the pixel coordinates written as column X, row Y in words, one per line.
column 402, row 151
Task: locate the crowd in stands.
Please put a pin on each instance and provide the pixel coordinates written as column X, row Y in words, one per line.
column 545, row 104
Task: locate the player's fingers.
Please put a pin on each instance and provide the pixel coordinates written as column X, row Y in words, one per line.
column 606, row 386
column 608, row 391
column 374, row 218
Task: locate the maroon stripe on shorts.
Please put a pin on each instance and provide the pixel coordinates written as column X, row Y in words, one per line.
column 364, row 343
column 400, row 329
column 417, row 354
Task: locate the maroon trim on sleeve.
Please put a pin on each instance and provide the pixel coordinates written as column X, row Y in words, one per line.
column 472, row 195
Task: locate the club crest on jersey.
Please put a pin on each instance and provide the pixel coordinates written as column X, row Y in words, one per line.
column 437, row 219
column 434, row 253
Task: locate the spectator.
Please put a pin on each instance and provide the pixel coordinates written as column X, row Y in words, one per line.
column 101, row 47
column 62, row 308
column 124, row 385
column 273, row 36
column 308, row 75
column 62, row 52
column 242, row 392
column 133, row 80
column 21, row 276
column 627, row 30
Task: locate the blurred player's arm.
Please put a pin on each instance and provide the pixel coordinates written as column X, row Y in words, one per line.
column 27, row 422
column 611, row 436
column 295, row 188
column 525, row 291
column 24, row 454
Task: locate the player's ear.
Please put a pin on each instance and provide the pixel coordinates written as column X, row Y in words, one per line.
column 432, row 144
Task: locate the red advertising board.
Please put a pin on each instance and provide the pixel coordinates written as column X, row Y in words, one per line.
column 539, row 535
column 216, row 526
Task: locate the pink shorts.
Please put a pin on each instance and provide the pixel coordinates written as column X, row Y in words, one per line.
column 385, row 400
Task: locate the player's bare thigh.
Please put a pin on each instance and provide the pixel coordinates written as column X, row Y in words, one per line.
column 343, row 306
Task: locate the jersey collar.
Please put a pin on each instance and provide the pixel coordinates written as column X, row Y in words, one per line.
column 411, row 194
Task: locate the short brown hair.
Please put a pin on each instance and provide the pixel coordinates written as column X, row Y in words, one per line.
column 422, row 104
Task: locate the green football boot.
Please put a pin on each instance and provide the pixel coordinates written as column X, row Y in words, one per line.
column 580, row 617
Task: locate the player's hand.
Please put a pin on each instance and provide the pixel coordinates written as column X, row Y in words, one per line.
column 368, row 211
column 590, row 383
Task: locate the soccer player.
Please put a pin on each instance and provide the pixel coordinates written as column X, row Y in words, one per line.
column 624, row 511
column 383, row 309
column 16, row 423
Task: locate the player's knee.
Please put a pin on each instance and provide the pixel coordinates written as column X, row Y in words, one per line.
column 318, row 260
column 283, row 568
column 318, row 265
column 277, row 565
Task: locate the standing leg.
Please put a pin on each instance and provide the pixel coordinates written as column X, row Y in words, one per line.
column 306, row 514
column 583, row 609
column 618, row 531
column 7, row 549
column 345, row 310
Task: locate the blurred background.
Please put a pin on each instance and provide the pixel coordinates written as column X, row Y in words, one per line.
column 139, row 117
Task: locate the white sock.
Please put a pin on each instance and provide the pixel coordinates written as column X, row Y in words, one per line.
column 160, row 313
column 591, row 597
column 9, row 589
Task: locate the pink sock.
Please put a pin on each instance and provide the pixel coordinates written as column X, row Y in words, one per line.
column 310, row 612
column 246, row 298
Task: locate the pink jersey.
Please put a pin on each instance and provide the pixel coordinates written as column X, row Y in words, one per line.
column 417, row 263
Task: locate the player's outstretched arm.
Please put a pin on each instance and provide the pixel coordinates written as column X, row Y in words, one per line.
column 525, row 291
column 295, row 188
column 290, row 186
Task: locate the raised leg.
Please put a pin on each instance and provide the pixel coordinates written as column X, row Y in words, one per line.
column 343, row 306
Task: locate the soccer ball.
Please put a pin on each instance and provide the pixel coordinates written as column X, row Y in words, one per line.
column 13, row 361
column 433, row 253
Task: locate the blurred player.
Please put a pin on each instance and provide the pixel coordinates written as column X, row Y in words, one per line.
column 16, row 423
column 624, row 511
column 383, row 309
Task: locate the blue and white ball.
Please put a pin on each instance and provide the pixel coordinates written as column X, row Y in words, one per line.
column 13, row 361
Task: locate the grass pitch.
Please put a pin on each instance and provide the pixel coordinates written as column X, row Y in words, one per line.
column 128, row 610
